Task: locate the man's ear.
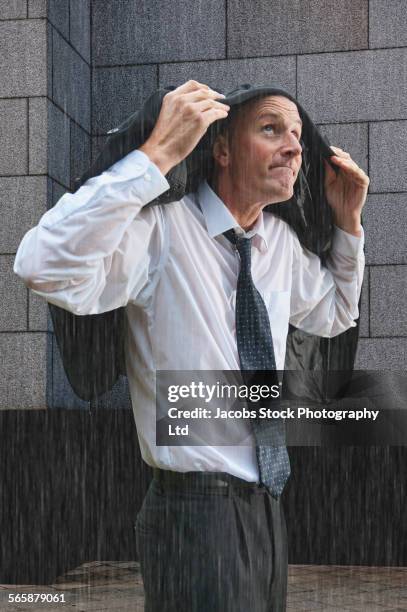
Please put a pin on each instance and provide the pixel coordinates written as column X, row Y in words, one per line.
column 220, row 150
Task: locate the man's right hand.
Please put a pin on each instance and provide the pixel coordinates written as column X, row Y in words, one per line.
column 185, row 115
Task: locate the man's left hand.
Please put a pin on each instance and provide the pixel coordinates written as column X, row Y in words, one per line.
column 346, row 191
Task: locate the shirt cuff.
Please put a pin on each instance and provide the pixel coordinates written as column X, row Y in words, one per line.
column 348, row 244
column 137, row 164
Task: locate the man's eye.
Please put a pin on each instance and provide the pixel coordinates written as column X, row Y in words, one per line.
column 269, row 125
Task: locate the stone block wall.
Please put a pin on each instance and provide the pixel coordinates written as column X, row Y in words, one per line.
column 45, row 132
column 23, row 198
column 346, row 63
column 73, row 69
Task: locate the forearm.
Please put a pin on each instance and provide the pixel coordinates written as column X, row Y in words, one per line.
column 325, row 298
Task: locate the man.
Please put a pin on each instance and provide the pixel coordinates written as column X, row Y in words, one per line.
column 211, row 532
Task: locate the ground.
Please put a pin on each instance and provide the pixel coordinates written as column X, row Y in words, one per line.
column 116, row 586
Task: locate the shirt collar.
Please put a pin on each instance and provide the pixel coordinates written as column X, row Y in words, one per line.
column 219, row 219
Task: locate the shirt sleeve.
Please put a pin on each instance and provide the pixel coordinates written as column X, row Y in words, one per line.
column 324, row 300
column 97, row 248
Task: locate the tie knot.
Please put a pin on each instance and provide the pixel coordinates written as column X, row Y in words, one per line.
column 243, row 245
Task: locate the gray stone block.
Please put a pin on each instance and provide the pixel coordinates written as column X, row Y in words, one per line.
column 71, row 82
column 13, row 130
column 39, row 318
column 387, row 23
column 63, row 395
column 295, row 26
column 80, row 27
column 119, row 92
column 80, row 152
column 356, row 86
column 58, row 145
column 385, row 225
column 388, row 156
column 37, row 8
column 381, row 354
column 23, row 47
column 13, row 297
column 388, row 298
column 38, row 135
column 23, row 202
column 226, row 75
column 364, row 307
column 50, row 60
column 23, row 371
column 58, row 14
column 351, row 137
column 128, row 32
column 13, row 9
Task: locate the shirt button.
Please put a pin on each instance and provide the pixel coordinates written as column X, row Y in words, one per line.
column 147, row 176
column 137, row 167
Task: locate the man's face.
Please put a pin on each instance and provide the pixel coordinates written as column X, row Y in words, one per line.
column 264, row 153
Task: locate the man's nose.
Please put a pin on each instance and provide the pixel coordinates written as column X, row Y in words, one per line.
column 291, row 145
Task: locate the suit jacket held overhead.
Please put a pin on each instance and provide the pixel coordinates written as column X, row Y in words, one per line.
column 92, row 346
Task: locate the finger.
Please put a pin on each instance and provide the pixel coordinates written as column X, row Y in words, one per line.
column 192, row 111
column 201, row 94
column 346, row 162
column 207, row 104
column 352, row 171
column 214, row 114
column 191, row 85
column 350, row 168
column 194, row 86
column 340, row 152
column 330, row 172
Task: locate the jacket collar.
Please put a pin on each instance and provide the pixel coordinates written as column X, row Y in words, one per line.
column 219, row 219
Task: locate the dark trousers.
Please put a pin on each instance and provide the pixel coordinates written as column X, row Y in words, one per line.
column 212, row 549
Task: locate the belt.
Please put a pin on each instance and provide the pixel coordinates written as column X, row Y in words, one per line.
column 221, row 482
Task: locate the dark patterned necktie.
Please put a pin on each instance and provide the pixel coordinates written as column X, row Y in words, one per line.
column 256, row 353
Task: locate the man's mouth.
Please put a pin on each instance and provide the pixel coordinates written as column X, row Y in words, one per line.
column 284, row 167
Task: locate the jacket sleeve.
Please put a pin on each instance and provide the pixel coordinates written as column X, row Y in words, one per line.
column 97, row 248
column 324, row 300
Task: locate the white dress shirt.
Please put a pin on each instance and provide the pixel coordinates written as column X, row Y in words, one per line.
column 100, row 248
